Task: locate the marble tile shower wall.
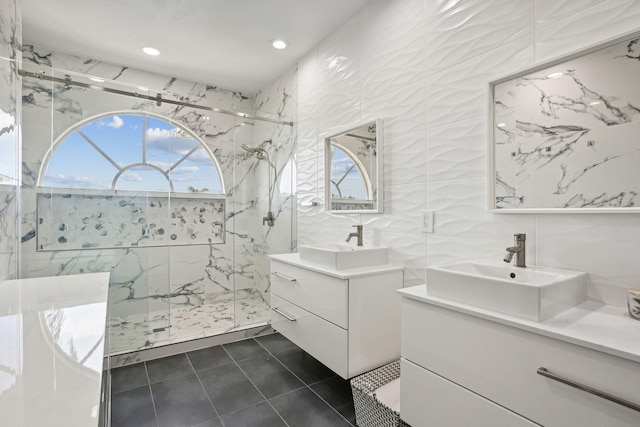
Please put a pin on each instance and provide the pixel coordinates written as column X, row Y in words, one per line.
column 424, row 67
column 167, row 278
column 10, row 40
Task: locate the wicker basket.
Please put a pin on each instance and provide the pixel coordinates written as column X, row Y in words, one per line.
column 370, row 412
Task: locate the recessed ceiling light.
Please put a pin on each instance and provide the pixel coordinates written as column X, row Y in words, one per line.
column 554, row 75
column 151, row 51
column 279, row 44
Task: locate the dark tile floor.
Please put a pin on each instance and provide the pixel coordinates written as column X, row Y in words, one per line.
column 262, row 382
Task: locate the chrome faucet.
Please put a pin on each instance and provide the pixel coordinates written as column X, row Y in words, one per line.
column 357, row 234
column 518, row 249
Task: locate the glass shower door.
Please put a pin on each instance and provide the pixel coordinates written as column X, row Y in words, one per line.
column 263, row 198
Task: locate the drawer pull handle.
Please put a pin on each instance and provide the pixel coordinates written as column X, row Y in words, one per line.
column 545, row 373
column 284, row 276
column 283, row 314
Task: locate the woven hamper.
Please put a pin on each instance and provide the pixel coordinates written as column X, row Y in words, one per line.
column 370, row 412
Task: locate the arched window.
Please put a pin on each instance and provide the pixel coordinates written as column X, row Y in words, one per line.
column 131, row 150
column 349, row 179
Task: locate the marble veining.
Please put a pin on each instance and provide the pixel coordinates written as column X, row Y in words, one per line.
column 218, row 314
column 72, row 221
column 184, row 285
column 564, row 136
column 10, row 45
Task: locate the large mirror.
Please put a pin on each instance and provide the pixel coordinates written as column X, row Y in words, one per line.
column 566, row 134
column 353, row 165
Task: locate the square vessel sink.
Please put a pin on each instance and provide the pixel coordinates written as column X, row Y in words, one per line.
column 532, row 293
column 340, row 256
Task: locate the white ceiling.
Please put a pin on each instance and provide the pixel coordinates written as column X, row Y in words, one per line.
column 224, row 43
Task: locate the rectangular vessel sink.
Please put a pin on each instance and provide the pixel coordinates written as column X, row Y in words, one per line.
column 533, row 293
column 341, row 256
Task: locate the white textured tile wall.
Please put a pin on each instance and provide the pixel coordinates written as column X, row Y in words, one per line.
column 462, row 91
column 440, row 55
column 589, row 26
column 469, row 30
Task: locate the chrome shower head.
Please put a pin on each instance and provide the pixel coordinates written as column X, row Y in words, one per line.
column 259, row 152
column 250, row 149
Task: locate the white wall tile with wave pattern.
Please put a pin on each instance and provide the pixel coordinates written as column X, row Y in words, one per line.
column 589, row 26
column 462, row 91
column 605, row 245
column 470, row 29
column 457, row 150
column 465, row 45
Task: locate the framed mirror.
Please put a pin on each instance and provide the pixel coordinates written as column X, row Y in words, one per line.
column 353, row 169
column 565, row 135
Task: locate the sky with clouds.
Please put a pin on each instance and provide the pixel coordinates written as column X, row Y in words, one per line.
column 352, row 185
column 76, row 163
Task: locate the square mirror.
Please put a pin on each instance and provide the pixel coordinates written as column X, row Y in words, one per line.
column 353, row 169
column 564, row 134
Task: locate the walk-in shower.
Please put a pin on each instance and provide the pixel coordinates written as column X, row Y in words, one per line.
column 188, row 260
column 261, row 154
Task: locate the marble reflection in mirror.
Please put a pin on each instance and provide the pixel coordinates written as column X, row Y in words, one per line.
column 567, row 134
column 353, row 164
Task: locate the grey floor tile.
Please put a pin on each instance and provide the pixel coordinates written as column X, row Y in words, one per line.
column 181, row 402
column 275, row 343
column 259, row 415
column 303, row 408
column 337, row 393
column 305, row 366
column 244, row 349
column 133, row 408
column 209, row 358
column 229, row 388
column 168, row 367
column 210, row 423
column 271, row 378
column 128, row 377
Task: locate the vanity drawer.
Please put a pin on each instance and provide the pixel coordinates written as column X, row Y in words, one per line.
column 429, row 400
column 500, row 362
column 322, row 295
column 324, row 340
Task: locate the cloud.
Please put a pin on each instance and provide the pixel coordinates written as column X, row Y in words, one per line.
column 184, row 170
column 157, row 134
column 167, row 140
column 116, row 122
column 132, row 177
column 340, row 166
column 74, row 181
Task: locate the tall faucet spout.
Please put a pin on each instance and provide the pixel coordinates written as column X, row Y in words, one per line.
column 518, row 249
column 357, row 233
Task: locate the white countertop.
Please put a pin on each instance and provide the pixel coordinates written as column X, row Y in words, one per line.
column 605, row 328
column 52, row 335
column 294, row 259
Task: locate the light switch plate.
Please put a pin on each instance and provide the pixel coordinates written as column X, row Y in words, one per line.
column 426, row 221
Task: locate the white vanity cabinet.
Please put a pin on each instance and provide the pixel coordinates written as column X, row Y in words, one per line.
column 348, row 320
column 465, row 366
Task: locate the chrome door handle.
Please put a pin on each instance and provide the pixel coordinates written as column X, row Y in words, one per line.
column 285, row 315
column 284, row 276
column 545, row 373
